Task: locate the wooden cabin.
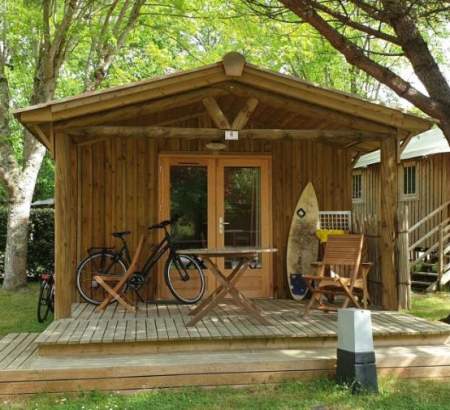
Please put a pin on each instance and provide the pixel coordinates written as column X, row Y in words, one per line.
column 129, row 156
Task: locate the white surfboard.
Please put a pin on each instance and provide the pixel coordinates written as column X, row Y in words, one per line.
column 303, row 245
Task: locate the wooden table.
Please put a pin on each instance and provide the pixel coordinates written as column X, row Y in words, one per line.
column 227, row 284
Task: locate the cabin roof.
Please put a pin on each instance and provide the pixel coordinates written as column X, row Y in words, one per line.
column 233, row 69
column 427, row 143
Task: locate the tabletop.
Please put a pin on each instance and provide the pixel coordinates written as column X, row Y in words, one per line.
column 229, row 251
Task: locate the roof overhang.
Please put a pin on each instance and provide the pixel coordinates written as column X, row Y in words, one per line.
column 39, row 119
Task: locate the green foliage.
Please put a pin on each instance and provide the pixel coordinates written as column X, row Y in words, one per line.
column 40, row 240
column 175, row 35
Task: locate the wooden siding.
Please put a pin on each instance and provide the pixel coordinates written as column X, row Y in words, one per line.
column 118, row 186
column 432, row 187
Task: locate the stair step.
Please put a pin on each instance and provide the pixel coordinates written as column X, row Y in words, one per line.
column 421, row 283
column 430, row 274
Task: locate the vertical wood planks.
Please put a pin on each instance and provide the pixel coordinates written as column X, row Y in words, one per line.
column 119, row 186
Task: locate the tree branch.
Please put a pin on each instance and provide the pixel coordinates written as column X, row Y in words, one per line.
column 370, row 10
column 356, row 57
column 418, row 53
column 105, row 50
column 358, row 26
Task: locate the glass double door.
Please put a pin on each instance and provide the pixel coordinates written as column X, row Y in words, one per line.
column 222, row 202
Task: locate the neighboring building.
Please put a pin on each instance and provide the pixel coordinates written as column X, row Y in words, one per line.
column 44, row 203
column 423, row 178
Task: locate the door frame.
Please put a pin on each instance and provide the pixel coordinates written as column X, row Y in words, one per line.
column 165, row 159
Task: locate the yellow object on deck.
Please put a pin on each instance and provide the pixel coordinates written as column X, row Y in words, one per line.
column 323, row 234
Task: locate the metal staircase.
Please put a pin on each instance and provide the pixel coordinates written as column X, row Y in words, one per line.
column 429, row 256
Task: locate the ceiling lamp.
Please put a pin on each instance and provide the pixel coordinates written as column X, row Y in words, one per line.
column 216, row 146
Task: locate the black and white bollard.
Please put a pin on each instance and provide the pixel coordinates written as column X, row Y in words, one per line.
column 355, row 352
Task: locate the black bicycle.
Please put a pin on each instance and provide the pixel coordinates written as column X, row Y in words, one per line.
column 46, row 300
column 182, row 273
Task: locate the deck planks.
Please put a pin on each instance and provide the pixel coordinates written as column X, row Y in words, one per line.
column 110, row 350
column 167, row 322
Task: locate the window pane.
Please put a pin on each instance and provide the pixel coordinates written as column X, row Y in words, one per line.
column 357, row 186
column 409, row 180
column 189, row 200
column 242, row 191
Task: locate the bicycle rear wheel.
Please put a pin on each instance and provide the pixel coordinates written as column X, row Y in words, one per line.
column 44, row 302
column 185, row 279
column 102, row 264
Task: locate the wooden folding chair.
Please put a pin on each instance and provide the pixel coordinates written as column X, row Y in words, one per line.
column 340, row 272
column 117, row 293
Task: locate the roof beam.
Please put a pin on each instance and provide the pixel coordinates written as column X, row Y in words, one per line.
column 405, row 143
column 84, row 134
column 151, row 107
column 244, row 115
column 332, row 99
column 216, row 113
column 301, row 107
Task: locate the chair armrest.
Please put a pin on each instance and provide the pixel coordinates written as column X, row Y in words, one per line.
column 365, row 268
column 317, row 264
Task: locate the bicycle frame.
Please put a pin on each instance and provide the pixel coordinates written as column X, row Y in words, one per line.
column 160, row 249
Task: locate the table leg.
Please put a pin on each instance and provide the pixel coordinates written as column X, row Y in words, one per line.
column 220, row 293
column 214, row 294
column 228, row 286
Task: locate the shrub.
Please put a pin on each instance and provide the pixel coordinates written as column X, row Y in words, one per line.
column 41, row 240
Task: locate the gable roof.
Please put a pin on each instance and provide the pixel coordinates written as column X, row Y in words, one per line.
column 428, row 143
column 233, row 67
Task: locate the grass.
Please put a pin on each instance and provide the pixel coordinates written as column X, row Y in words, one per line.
column 433, row 306
column 19, row 315
column 18, row 310
column 317, row 395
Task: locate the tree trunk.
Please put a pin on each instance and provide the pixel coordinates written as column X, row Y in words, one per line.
column 18, row 219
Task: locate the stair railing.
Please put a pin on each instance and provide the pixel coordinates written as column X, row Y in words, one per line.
column 441, row 246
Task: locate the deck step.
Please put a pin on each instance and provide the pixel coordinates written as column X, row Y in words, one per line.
column 162, row 370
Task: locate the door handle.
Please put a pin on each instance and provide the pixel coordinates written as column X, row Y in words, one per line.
column 222, row 224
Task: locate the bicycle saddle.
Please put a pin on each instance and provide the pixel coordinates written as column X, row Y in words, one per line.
column 120, row 234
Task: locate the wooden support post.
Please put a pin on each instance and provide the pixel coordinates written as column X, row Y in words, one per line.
column 389, row 203
column 441, row 255
column 404, row 270
column 65, row 224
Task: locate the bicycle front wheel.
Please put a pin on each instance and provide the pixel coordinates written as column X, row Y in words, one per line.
column 102, row 264
column 44, row 302
column 185, row 278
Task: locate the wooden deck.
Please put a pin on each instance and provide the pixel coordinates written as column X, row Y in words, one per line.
column 157, row 328
column 153, row 348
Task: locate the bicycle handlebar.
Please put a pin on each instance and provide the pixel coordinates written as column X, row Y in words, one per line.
column 165, row 223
